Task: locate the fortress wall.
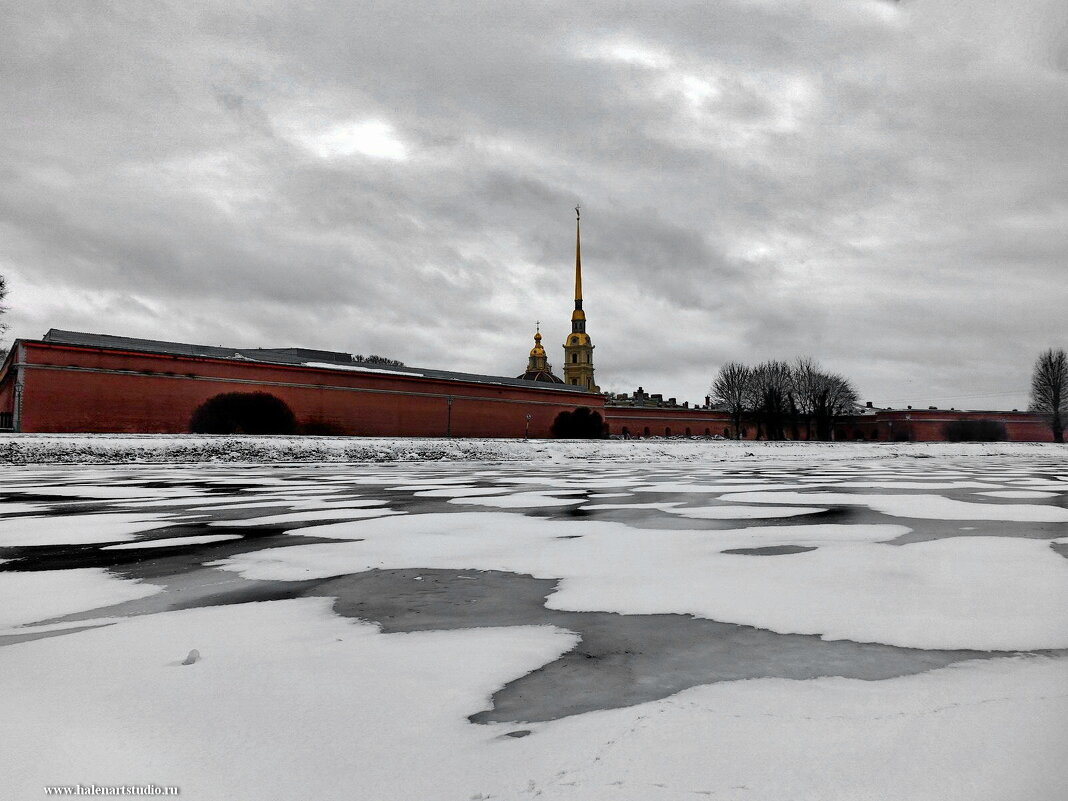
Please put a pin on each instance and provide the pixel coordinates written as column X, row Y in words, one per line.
column 662, row 422
column 77, row 389
column 84, row 390
column 926, row 425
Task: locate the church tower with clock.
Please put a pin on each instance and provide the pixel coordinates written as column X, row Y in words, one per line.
column 578, row 349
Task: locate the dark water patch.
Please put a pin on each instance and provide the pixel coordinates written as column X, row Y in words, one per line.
column 924, row 530
column 67, row 501
column 621, row 660
column 771, row 550
column 139, row 561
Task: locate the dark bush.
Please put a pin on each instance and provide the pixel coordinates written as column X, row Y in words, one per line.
column 243, row 413
column 975, row 431
column 583, row 423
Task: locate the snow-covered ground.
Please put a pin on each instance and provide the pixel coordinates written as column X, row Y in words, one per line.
column 184, row 448
column 806, row 622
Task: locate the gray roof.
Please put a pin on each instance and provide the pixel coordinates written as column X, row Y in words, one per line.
column 291, row 356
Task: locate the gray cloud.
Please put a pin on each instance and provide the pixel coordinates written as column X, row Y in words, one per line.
column 880, row 185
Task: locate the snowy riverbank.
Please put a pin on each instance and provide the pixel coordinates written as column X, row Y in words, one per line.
column 194, row 448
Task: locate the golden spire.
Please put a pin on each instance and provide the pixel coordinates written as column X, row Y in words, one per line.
column 578, row 261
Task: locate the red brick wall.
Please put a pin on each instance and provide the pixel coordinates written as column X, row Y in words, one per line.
column 926, row 425
column 660, row 421
column 72, row 389
column 84, row 390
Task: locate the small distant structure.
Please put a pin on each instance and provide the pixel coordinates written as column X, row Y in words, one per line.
column 538, row 367
column 643, row 400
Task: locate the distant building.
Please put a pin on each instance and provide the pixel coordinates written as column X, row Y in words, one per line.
column 643, row 399
column 538, row 367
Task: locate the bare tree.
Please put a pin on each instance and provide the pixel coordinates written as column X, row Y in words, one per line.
column 807, row 381
column 1049, row 389
column 821, row 397
column 772, row 390
column 732, row 389
column 836, row 397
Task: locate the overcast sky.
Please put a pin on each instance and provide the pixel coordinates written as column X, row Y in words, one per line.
column 882, row 186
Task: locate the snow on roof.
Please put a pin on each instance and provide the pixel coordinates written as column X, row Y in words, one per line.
column 357, row 369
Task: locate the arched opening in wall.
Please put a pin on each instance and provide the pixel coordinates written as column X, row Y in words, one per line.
column 708, row 432
column 647, row 431
column 667, row 431
column 858, row 435
column 688, row 434
column 574, row 358
column 626, row 432
column 582, row 423
column 875, row 433
column 243, row 413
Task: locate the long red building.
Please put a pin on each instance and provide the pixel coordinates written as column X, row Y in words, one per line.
column 77, row 382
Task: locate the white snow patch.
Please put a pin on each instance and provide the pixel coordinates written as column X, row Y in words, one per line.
column 352, row 368
column 77, row 529
column 173, row 542
column 1022, row 494
column 38, row 595
column 333, row 705
column 520, row 500
column 185, row 448
column 308, row 516
column 462, row 492
column 932, row 507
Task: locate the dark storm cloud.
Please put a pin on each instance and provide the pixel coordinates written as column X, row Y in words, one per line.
column 882, row 186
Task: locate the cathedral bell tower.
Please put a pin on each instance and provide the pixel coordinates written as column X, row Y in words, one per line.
column 578, row 350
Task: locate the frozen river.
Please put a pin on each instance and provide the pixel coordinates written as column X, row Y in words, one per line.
column 758, row 629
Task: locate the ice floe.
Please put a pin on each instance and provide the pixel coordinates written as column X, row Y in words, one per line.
column 312, row 516
column 523, row 499
column 77, row 529
column 39, row 595
column 933, row 507
column 1020, row 494
column 172, row 542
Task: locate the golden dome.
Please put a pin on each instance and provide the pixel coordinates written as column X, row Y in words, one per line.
column 537, row 350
